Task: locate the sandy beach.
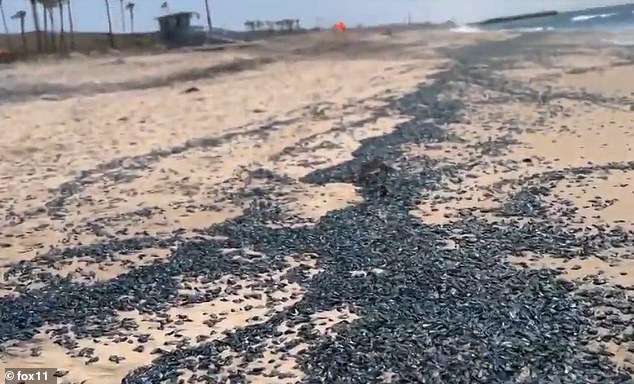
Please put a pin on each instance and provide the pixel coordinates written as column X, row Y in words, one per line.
column 248, row 215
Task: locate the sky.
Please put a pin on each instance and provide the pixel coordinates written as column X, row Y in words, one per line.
column 89, row 15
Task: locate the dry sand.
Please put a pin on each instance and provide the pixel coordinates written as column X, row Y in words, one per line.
column 306, row 91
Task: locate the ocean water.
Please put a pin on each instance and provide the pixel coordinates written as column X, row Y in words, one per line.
column 604, row 18
column 610, row 19
column 619, row 20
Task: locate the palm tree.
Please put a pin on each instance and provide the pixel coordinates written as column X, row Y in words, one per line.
column 208, row 15
column 122, row 15
column 71, row 24
column 45, row 30
column 110, row 35
column 249, row 25
column 36, row 23
column 6, row 27
column 48, row 7
column 130, row 8
column 21, row 15
column 62, row 41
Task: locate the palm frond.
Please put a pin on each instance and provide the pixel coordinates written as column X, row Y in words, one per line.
column 18, row 15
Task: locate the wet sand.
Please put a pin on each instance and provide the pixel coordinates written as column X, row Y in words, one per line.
column 176, row 153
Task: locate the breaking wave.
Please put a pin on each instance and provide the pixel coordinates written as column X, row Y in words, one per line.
column 590, row 17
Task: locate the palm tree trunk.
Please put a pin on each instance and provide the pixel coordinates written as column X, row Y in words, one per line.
column 24, row 46
column 208, row 15
column 6, row 27
column 122, row 15
column 110, row 35
column 52, row 19
column 131, row 20
column 45, row 35
column 62, row 41
column 36, row 23
column 71, row 25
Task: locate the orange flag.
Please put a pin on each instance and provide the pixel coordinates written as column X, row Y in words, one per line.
column 340, row 26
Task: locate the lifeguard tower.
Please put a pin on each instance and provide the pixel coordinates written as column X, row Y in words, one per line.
column 175, row 30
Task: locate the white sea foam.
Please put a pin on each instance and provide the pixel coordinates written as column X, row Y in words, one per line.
column 466, row 29
column 590, row 17
column 620, row 35
column 528, row 29
column 535, row 29
column 622, row 42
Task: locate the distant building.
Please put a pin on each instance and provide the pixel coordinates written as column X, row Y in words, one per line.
column 175, row 30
